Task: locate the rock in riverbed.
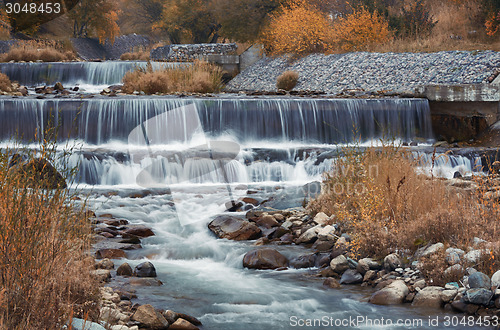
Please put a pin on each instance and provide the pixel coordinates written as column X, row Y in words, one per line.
column 264, row 259
column 234, row 228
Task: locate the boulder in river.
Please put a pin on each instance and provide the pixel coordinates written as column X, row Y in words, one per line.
column 429, row 297
column 110, row 254
column 139, row 231
column 351, row 276
column 264, row 259
column 145, row 269
column 393, row 294
column 42, row 174
column 124, row 270
column 149, row 318
column 234, row 228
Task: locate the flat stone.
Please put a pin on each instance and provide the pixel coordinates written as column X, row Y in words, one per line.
column 429, row 297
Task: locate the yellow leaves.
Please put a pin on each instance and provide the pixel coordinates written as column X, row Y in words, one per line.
column 360, row 29
column 492, row 24
column 297, row 28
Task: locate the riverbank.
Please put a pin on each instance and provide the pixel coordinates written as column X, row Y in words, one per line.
column 371, row 72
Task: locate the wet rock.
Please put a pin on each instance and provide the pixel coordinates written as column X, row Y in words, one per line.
column 309, row 236
column 42, row 174
column 429, row 297
column 370, row 276
column 189, row 318
column 144, row 281
column 181, row 324
column 305, row 261
column 267, row 221
column 112, row 316
column 145, row 269
column 351, row 276
column 367, row 264
column 327, row 233
column 105, row 264
column 138, row 231
column 479, row 280
column 448, row 295
column 392, row 294
column 234, row 228
column 339, row 264
column 110, row 254
column 58, row 87
column 330, row 282
column 391, row 262
column 279, row 232
column 102, row 275
column 264, row 259
column 478, row 296
column 323, row 246
column 149, row 317
column 250, row 200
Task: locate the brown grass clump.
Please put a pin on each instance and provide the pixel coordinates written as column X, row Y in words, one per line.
column 287, row 80
column 135, row 56
column 200, row 77
column 5, row 83
column 45, row 272
column 379, row 197
column 31, row 51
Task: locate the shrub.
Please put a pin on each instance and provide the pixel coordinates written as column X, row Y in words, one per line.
column 141, row 55
column 287, row 80
column 5, row 83
column 45, row 270
column 37, row 51
column 297, row 28
column 200, row 77
column 379, row 197
column 359, row 31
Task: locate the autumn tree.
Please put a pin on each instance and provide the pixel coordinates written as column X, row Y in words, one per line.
column 359, row 30
column 95, row 17
column 296, row 28
column 188, row 21
column 139, row 16
column 242, row 20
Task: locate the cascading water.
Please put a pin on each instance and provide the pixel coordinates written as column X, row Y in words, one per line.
column 281, row 143
column 90, row 75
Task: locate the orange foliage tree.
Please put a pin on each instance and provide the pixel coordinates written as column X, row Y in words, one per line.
column 359, row 30
column 97, row 17
column 296, row 28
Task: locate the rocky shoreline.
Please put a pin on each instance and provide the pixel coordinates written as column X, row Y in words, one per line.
column 397, row 280
column 113, row 239
column 372, row 72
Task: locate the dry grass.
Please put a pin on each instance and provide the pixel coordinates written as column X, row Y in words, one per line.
column 135, row 56
column 5, row 83
column 287, row 80
column 45, row 271
column 200, row 77
column 31, row 51
column 379, row 197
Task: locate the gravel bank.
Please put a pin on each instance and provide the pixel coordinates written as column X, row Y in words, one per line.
column 396, row 72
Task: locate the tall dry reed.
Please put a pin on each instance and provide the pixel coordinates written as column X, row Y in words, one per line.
column 45, row 272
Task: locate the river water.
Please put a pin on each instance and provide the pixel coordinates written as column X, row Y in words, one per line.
column 205, row 152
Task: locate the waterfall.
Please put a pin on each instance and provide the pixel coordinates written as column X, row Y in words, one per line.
column 281, row 120
column 73, row 73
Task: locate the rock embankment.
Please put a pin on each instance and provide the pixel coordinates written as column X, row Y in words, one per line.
column 372, row 72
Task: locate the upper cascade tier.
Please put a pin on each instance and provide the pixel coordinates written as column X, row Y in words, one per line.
column 167, row 120
column 73, row 73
